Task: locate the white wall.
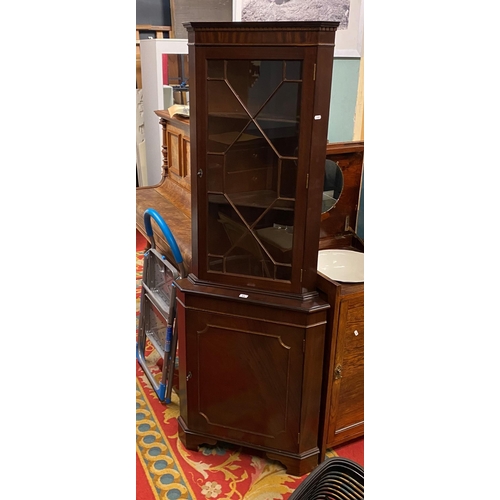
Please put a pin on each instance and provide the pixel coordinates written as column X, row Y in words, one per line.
column 152, row 87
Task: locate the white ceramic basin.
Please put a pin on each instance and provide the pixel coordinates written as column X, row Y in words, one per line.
column 342, row 265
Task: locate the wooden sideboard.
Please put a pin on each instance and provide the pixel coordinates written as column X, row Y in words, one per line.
column 342, row 411
column 171, row 197
column 176, row 148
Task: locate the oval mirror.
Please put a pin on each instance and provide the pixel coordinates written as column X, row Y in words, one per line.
column 332, row 186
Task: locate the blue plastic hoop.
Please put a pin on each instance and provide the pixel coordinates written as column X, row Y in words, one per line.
column 152, row 213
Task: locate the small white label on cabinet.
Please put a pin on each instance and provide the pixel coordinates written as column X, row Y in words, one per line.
column 243, row 296
column 317, row 117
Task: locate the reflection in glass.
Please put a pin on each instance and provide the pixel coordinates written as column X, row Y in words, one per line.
column 215, row 69
column 293, row 70
column 215, row 173
column 283, row 134
column 226, row 117
column 288, row 178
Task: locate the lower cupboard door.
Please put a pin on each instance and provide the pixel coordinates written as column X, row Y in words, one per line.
column 245, row 379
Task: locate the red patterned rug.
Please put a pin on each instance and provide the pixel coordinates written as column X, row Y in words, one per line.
column 167, row 470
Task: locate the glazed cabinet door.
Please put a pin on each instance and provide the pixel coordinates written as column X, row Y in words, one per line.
column 347, row 403
column 243, row 379
column 251, row 174
column 262, row 103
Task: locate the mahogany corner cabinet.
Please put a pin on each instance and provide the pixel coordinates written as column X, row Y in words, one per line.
column 251, row 322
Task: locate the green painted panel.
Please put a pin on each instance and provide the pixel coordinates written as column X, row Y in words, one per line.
column 343, row 99
column 342, row 110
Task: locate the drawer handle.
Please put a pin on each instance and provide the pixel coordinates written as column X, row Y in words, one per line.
column 188, row 376
column 356, row 332
column 200, row 173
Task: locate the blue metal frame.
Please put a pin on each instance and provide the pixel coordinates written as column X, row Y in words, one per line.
column 161, row 388
column 150, row 212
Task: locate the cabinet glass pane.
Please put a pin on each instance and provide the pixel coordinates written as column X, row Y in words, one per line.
column 252, row 142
